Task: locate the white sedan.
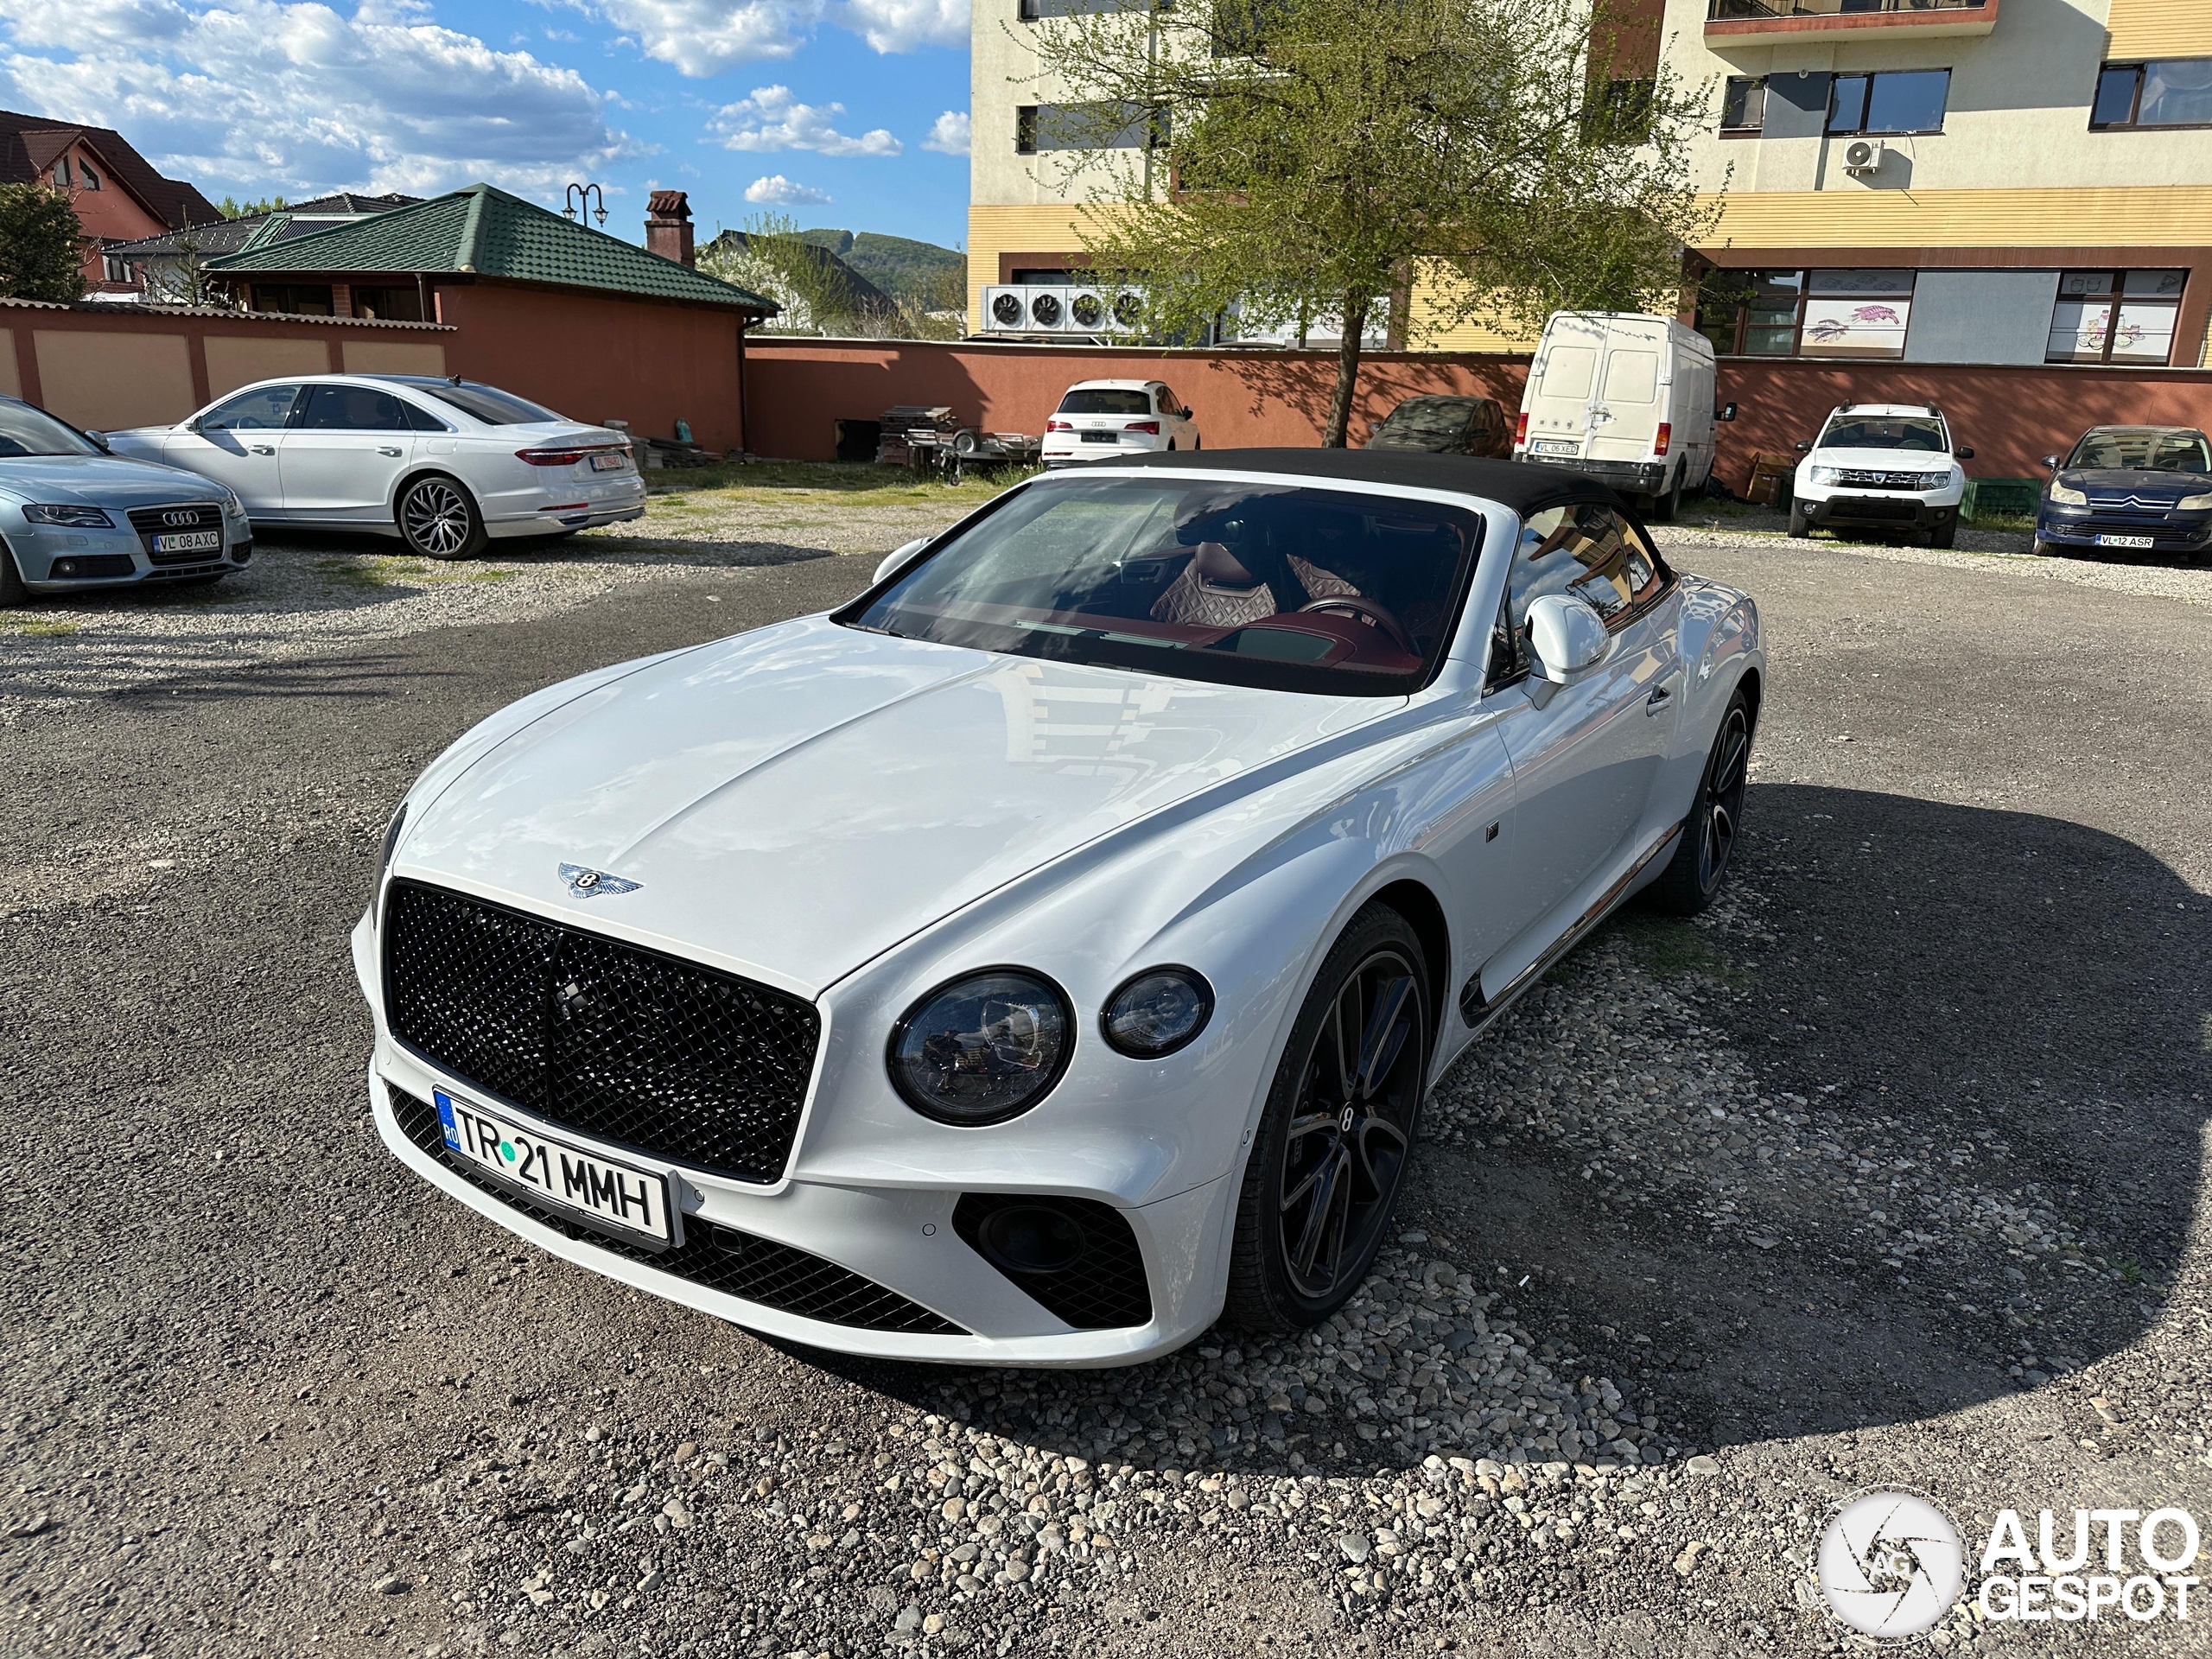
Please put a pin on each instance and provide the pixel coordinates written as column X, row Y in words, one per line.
column 1051, row 949
column 1106, row 420
column 445, row 465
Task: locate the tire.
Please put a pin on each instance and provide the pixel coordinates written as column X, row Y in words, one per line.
column 1197, row 444
column 1664, row 508
column 2043, row 550
column 12, row 591
column 438, row 518
column 1171, row 445
column 1947, row 537
column 1709, row 833
column 1800, row 526
column 1294, row 1261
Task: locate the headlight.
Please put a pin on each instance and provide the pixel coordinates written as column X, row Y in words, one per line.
column 1825, row 475
column 2060, row 496
column 1160, row 1011
column 233, row 505
column 982, row 1049
column 2193, row 503
column 77, row 517
column 391, row 845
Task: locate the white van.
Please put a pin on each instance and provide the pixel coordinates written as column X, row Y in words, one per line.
column 1626, row 399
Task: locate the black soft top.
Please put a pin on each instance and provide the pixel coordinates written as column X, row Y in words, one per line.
column 1524, row 488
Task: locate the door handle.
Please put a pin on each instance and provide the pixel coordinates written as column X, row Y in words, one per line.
column 386, row 449
column 1660, row 698
column 262, row 448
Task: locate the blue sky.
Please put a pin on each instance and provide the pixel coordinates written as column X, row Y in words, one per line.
column 849, row 112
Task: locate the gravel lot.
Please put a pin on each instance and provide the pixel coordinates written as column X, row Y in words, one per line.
column 1883, row 1173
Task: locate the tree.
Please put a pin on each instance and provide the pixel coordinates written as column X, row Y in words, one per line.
column 771, row 257
column 1299, row 160
column 41, row 244
column 183, row 280
column 230, row 207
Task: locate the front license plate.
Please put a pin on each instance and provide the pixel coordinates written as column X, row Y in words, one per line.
column 607, row 463
column 2125, row 541
column 629, row 1200
column 190, row 541
column 1554, row 447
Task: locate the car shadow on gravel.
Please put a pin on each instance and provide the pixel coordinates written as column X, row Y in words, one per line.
column 1909, row 1122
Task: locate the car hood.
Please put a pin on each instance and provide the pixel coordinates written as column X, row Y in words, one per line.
column 2151, row 488
column 1882, row 460
column 795, row 801
column 99, row 482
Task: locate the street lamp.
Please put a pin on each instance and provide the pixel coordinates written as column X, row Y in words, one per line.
column 579, row 196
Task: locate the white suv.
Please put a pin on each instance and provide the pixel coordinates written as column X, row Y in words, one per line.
column 1099, row 420
column 1881, row 467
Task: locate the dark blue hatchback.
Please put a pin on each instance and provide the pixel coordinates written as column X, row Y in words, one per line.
column 2142, row 489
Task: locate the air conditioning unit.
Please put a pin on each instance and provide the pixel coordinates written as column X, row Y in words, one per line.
column 1862, row 155
column 1048, row 309
column 1087, row 312
column 1006, row 310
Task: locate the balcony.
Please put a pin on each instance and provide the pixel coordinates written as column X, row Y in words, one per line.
column 1768, row 21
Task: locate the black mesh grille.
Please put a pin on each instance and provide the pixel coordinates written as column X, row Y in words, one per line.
column 1102, row 1289
column 719, row 1258
column 150, row 521
column 1874, row 506
column 700, row 1068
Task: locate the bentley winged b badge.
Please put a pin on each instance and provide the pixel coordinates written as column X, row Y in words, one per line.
column 590, row 884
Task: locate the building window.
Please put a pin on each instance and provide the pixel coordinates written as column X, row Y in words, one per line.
column 1908, row 100
column 1806, row 313
column 1034, row 10
column 62, row 174
column 1038, row 127
column 388, row 304
column 2172, row 92
column 1743, row 104
column 301, row 299
column 2115, row 316
column 87, row 178
column 118, row 271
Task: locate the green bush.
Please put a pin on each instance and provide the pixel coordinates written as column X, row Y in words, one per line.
column 41, row 244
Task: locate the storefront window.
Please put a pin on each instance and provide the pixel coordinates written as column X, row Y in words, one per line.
column 2115, row 316
column 1856, row 314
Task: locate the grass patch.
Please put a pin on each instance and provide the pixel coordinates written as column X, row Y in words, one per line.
column 764, row 483
column 2020, row 524
column 1670, row 948
column 34, row 627
column 380, row 571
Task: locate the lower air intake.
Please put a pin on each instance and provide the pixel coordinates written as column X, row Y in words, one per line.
column 1075, row 1256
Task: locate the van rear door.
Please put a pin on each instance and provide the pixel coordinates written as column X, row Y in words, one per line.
column 1562, row 385
column 1632, row 385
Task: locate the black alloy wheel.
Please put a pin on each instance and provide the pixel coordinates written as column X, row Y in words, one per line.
column 438, row 518
column 1692, row 876
column 1337, row 1135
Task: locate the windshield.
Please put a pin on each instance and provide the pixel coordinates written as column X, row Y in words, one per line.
column 27, row 431
column 1886, row 432
column 490, row 405
column 1103, row 400
column 1276, row 585
column 2144, row 452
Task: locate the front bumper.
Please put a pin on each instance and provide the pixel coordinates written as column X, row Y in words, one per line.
column 2169, row 533
column 1630, row 477
column 1881, row 511
column 904, row 1282
column 68, row 561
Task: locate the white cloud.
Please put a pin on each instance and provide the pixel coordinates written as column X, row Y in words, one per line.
column 704, row 37
column 291, row 96
column 905, row 25
column 777, row 191
column 771, row 119
column 949, row 134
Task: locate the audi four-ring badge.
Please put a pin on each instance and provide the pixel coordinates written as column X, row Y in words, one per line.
column 1048, row 952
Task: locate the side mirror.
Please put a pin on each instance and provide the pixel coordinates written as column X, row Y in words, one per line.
column 99, row 439
column 896, row 557
column 1190, row 415
column 1964, row 452
column 1803, row 448
column 1727, row 412
column 2051, row 461
column 1566, row 637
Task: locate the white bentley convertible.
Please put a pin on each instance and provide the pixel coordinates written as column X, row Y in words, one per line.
column 1049, row 951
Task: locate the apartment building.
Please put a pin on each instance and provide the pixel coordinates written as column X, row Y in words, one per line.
column 1989, row 181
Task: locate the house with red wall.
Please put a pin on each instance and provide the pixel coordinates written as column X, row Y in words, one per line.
column 118, row 195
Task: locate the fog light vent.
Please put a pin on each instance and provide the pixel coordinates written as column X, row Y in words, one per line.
column 1077, row 1257
column 88, row 566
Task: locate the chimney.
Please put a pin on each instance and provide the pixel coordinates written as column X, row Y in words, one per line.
column 668, row 225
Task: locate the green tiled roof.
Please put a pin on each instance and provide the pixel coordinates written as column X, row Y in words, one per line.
column 486, row 232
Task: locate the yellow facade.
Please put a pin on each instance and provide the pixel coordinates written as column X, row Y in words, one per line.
column 2160, row 28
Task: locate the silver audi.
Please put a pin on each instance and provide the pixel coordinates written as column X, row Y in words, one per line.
column 74, row 517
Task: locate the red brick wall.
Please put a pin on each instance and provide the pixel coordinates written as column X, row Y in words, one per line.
column 594, row 358
column 2010, row 416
